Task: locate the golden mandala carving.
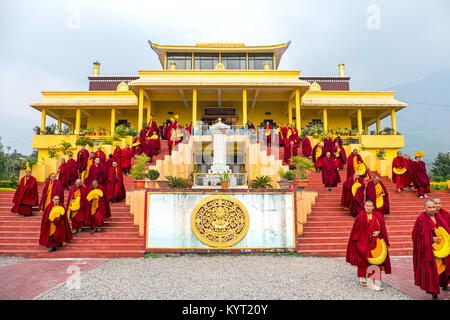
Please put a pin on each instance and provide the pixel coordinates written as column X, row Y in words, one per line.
column 220, row 221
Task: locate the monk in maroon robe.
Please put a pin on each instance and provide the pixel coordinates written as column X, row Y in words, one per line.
column 444, row 213
column 378, row 194
column 296, row 137
column 355, row 159
column 154, row 144
column 125, row 159
column 77, row 206
column 338, row 140
column 317, row 156
column 99, row 209
column 306, row 147
column 430, row 272
column 82, row 158
column 55, row 228
column 101, row 155
column 136, row 146
column 117, row 154
column 327, row 144
column 268, row 134
column 165, row 131
column 143, row 133
column 26, row 195
column 115, row 189
column 96, row 172
column 290, row 151
column 330, row 174
column 420, row 178
column 72, row 169
column 339, row 156
column 62, row 173
column 400, row 172
column 369, row 226
column 410, row 166
column 51, row 189
column 352, row 197
column 108, row 165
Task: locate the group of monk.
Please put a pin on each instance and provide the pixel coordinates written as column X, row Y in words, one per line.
column 407, row 173
column 431, row 273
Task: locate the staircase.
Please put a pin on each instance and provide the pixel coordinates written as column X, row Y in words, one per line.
column 329, row 226
column 19, row 236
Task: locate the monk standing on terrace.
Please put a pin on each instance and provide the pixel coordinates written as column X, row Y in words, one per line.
column 444, row 213
column 82, row 158
column 378, row 194
column 51, row 189
column 317, row 156
column 353, row 194
column 77, row 206
column 72, row 174
column 400, row 172
column 339, row 155
column 430, row 272
column 306, row 147
column 330, row 174
column 420, row 177
column 99, row 209
column 125, row 159
column 26, row 195
column 356, row 163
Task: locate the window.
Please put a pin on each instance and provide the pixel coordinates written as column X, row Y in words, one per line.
column 256, row 61
column 205, row 61
column 234, row 61
column 183, row 60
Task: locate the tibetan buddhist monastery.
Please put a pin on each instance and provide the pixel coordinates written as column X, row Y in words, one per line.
column 231, row 81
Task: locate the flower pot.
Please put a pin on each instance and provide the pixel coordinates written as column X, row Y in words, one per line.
column 300, row 184
column 224, row 184
column 139, row 184
column 151, row 184
column 163, row 184
column 284, row 184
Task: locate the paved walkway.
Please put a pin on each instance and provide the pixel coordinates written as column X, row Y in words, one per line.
column 31, row 278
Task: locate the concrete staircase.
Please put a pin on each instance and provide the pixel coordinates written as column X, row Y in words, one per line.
column 329, row 226
column 19, row 235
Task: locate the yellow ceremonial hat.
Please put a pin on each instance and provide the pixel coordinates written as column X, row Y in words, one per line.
column 176, row 116
column 420, row 154
column 28, row 167
column 100, row 145
column 172, row 119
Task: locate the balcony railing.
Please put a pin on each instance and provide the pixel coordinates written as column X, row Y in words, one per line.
column 213, row 180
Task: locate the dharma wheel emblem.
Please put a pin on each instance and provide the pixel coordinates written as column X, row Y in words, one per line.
column 220, row 221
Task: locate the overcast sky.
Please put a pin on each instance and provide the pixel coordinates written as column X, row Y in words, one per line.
column 50, row 45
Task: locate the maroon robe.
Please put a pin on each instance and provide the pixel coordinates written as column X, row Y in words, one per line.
column 108, row 165
column 100, row 154
column 82, row 158
column 26, row 196
column 410, row 168
column 330, row 174
column 136, row 149
column 143, row 134
column 350, row 202
column 72, row 174
column 338, row 140
column 425, row 270
column 317, row 161
column 419, row 175
column 154, row 146
column 154, row 127
column 401, row 181
column 328, row 146
column 289, row 152
column 371, row 195
column 117, row 155
column 78, row 217
column 62, row 232
column 339, row 156
column 57, row 190
column 268, row 139
column 351, row 169
column 102, row 213
column 63, row 174
column 306, row 147
column 96, row 173
column 295, row 137
column 361, row 241
column 115, row 188
column 125, row 159
column 446, row 215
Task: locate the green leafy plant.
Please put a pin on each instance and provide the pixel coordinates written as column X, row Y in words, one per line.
column 262, row 182
column 132, row 132
column 302, row 167
column 83, row 141
column 65, row 130
column 224, row 176
column 101, row 130
column 381, row 153
column 51, row 129
column 138, row 169
column 64, row 148
column 53, row 152
column 121, row 131
column 111, row 140
column 89, row 130
column 175, row 182
column 152, row 174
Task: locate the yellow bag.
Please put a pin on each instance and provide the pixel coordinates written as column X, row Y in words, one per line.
column 355, row 187
column 379, row 254
column 95, row 193
column 74, row 205
column 442, row 250
column 399, row 171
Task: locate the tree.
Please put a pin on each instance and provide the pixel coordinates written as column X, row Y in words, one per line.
column 441, row 166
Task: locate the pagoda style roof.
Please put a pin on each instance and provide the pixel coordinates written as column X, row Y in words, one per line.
column 222, row 47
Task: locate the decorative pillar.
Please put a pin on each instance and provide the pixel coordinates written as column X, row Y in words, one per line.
column 78, row 121
column 393, row 122
column 141, row 109
column 71, row 129
column 148, row 105
column 325, row 120
column 297, row 111
column 290, row 112
column 359, row 118
column 113, row 120
column 378, row 125
column 59, row 124
column 43, row 117
column 366, row 128
column 194, row 107
column 244, row 107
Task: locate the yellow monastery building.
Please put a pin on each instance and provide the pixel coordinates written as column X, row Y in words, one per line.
column 232, row 81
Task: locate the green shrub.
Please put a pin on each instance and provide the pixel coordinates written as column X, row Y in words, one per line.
column 262, row 182
column 138, row 169
column 152, row 174
column 82, row 141
column 175, row 182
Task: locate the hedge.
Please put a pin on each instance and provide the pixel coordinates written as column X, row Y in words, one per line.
column 9, row 184
column 438, row 185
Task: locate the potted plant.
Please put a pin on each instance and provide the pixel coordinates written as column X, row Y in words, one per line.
column 152, row 175
column 262, row 182
column 224, row 179
column 176, row 183
column 138, row 170
column 89, row 131
column 286, row 178
column 101, row 131
column 82, row 141
column 302, row 167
